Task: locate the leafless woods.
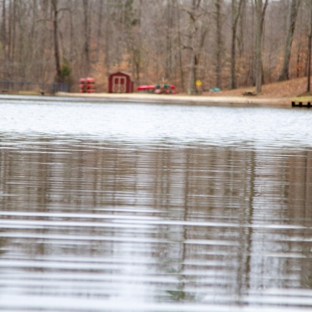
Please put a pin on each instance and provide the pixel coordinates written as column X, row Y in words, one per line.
column 223, row 43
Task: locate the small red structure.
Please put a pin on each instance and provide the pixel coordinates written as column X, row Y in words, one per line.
column 87, row 85
column 120, row 82
column 82, row 85
column 90, row 85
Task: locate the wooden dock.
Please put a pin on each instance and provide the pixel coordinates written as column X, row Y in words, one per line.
column 301, row 104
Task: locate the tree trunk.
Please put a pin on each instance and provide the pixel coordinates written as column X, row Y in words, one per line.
column 293, row 17
column 169, row 40
column 10, row 31
column 235, row 15
column 309, row 53
column 192, row 27
column 242, row 28
column 99, row 31
column 258, row 47
column 218, row 5
column 71, row 33
column 191, row 78
column 4, row 38
column 107, row 38
column 13, row 32
column 309, row 64
column 180, row 47
column 56, row 43
column 260, row 14
column 86, row 25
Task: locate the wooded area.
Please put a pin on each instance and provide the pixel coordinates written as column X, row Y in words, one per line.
column 224, row 43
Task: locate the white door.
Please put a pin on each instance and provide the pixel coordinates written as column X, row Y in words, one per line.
column 119, row 84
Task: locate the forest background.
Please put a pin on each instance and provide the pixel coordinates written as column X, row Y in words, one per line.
column 224, row 43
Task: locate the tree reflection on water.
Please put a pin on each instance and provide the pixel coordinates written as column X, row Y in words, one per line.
column 162, row 222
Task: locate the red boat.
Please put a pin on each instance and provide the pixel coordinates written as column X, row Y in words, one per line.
column 149, row 89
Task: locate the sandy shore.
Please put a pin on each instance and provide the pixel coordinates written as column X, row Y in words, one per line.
column 184, row 99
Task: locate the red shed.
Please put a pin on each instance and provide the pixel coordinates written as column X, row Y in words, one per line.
column 120, row 82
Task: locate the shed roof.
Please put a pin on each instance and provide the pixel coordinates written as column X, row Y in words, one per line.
column 121, row 72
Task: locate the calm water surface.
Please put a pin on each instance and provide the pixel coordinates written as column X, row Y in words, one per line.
column 114, row 207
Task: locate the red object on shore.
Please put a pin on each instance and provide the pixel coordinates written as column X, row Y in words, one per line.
column 159, row 89
column 146, row 88
column 82, row 85
column 87, row 85
column 120, row 82
column 90, row 80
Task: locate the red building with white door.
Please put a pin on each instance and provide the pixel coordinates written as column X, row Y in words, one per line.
column 120, row 82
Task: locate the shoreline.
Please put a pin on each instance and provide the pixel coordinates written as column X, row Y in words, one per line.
column 161, row 99
column 177, row 99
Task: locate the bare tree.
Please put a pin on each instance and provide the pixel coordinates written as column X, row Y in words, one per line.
column 4, row 36
column 218, row 6
column 180, row 44
column 55, row 12
column 197, row 31
column 236, row 11
column 169, row 17
column 99, row 30
column 107, row 37
column 164, row 40
column 309, row 51
column 292, row 23
column 260, row 13
column 192, row 30
column 87, row 32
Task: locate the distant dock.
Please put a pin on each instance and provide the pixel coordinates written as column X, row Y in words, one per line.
column 301, row 104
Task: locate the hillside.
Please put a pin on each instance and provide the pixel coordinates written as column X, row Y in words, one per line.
column 285, row 89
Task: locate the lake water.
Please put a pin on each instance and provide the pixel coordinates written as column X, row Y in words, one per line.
column 154, row 208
